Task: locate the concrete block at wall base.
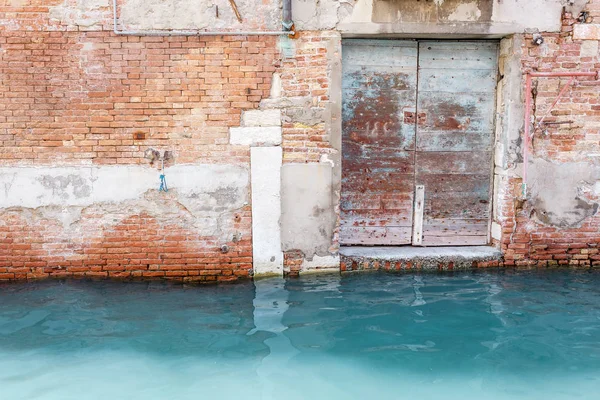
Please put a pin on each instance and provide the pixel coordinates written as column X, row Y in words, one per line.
column 265, row 167
column 255, row 136
column 586, row 32
column 321, row 264
column 270, row 117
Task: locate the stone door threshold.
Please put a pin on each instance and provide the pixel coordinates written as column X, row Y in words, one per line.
column 407, row 258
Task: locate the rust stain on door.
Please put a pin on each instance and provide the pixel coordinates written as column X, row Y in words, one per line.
column 398, row 133
column 457, row 85
column 378, row 141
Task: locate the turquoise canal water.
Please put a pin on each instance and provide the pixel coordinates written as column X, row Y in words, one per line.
column 370, row 336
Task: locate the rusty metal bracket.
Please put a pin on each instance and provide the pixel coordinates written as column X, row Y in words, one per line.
column 235, row 10
column 560, row 94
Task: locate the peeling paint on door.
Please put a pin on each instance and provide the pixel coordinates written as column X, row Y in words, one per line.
column 403, row 128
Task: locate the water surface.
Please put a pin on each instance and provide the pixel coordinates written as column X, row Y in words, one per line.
column 508, row 335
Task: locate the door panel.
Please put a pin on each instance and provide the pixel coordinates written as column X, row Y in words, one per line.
column 456, row 100
column 378, row 141
column 417, row 113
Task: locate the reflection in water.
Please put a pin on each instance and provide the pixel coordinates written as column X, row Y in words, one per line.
column 419, row 301
column 461, row 336
column 270, row 303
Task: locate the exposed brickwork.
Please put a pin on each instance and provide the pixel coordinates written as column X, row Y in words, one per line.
column 292, row 263
column 72, row 97
column 580, row 106
column 80, row 95
column 77, row 94
column 526, row 242
column 306, row 78
column 138, row 246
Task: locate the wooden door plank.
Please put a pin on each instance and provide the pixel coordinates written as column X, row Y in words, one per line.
column 448, row 141
column 457, row 162
column 371, row 236
column 377, row 182
column 451, row 227
column 457, row 80
column 379, row 217
column 457, row 240
column 459, row 207
column 455, row 183
column 458, row 55
column 359, row 77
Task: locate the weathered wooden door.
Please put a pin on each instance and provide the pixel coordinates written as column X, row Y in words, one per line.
column 417, row 114
column 378, row 141
column 456, row 102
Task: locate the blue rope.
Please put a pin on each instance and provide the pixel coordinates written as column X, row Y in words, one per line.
column 163, row 184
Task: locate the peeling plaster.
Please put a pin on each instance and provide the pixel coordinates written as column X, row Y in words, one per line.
column 562, row 194
column 476, row 17
column 465, row 12
column 33, row 187
column 187, row 14
column 207, row 214
column 87, row 14
column 201, row 197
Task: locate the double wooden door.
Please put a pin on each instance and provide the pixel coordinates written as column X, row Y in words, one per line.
column 418, row 118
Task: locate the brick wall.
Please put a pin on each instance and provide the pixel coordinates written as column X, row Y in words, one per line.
column 138, row 246
column 525, row 240
column 79, row 97
column 75, row 97
column 306, row 78
column 73, row 94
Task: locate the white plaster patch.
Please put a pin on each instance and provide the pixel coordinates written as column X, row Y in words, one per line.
column 362, row 12
column 34, row 187
column 316, row 15
column 499, row 153
column 543, row 15
column 589, row 48
column 597, row 188
column 466, row 12
column 270, row 117
column 276, row 87
column 88, row 14
column 323, row 263
column 586, row 32
column 255, row 136
column 326, row 159
column 266, row 210
column 496, row 231
column 199, row 14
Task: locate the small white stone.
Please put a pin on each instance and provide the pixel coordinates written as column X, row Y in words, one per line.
column 496, row 231
column 586, row 32
column 261, row 118
column 255, row 136
column 275, row 86
column 589, row 48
